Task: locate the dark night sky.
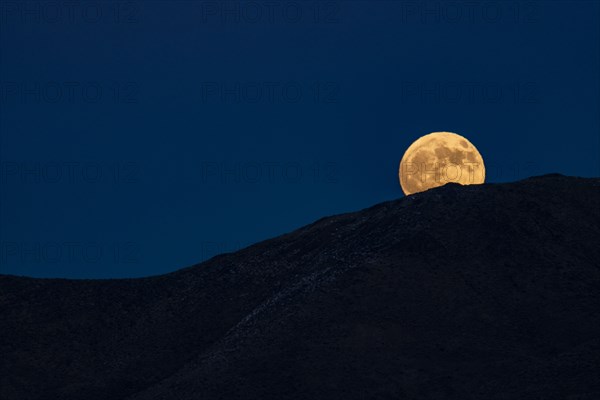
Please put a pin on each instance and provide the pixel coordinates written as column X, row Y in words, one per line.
column 164, row 132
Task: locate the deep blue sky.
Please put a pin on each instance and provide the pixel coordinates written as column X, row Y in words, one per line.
column 146, row 97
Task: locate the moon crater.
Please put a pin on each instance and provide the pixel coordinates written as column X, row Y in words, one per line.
column 439, row 158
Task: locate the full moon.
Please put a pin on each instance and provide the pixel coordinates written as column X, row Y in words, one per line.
column 438, row 158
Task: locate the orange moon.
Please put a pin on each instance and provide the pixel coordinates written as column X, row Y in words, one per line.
column 438, row 158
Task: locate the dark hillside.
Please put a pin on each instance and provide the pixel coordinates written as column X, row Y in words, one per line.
column 461, row 292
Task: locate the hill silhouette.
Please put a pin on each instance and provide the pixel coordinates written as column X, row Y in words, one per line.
column 461, row 292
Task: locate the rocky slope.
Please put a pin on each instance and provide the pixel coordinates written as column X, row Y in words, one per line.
column 475, row 292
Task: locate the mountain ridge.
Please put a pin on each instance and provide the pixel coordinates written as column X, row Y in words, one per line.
column 482, row 291
column 319, row 220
